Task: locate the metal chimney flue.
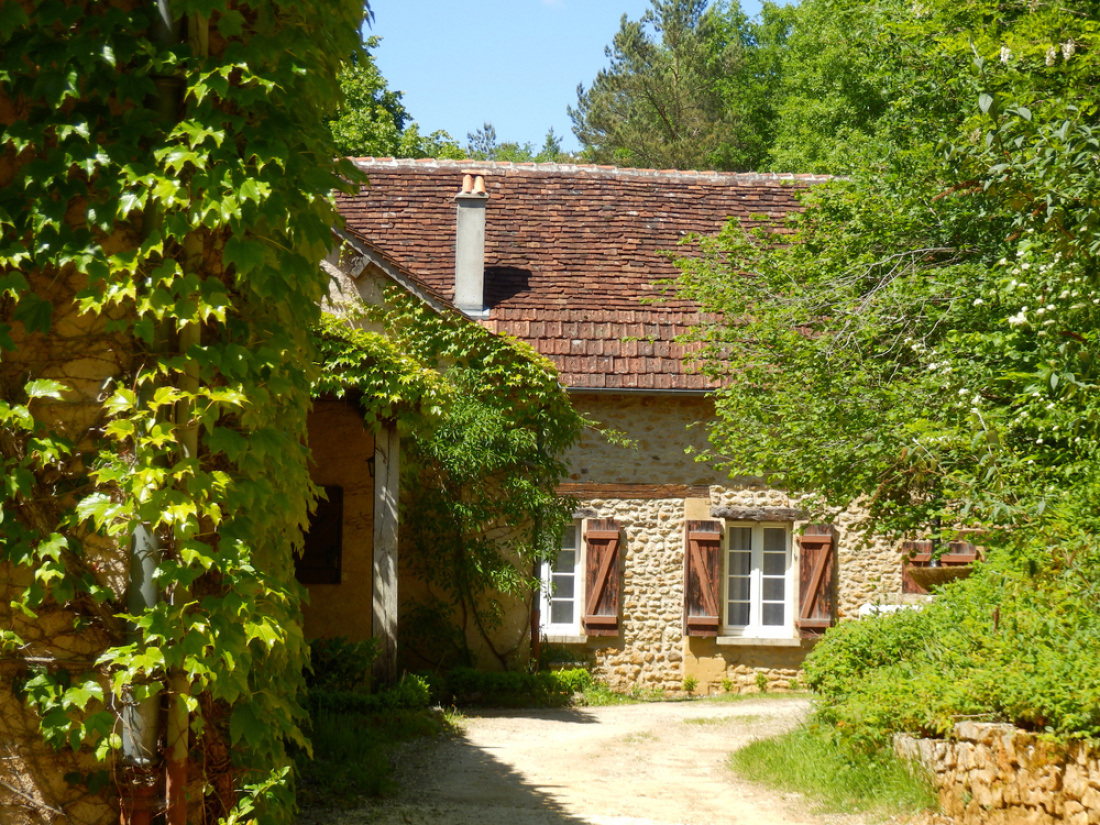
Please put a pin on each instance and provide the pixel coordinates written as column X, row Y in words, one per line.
column 470, row 246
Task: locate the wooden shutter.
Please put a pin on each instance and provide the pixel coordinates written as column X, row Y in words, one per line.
column 702, row 578
column 816, row 581
column 601, row 577
column 919, row 554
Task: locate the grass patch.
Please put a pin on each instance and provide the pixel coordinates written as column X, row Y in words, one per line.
column 744, row 719
column 598, row 694
column 351, row 753
column 765, row 697
column 837, row 780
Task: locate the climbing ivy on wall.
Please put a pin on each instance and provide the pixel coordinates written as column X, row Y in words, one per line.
column 487, row 426
column 164, row 203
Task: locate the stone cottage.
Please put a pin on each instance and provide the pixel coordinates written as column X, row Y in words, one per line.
column 671, row 569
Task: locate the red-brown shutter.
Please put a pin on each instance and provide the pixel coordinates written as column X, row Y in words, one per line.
column 702, row 578
column 919, row 554
column 816, row 581
column 601, row 577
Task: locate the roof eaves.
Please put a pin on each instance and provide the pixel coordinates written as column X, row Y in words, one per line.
column 397, row 273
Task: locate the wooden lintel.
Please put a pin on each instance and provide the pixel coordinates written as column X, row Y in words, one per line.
column 758, row 513
column 582, row 490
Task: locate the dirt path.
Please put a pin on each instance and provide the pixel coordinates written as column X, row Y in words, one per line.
column 648, row 764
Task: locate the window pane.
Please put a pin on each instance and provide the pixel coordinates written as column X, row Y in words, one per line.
column 773, row 590
column 561, row 612
column 563, row 587
column 739, row 589
column 569, row 537
column 565, row 562
column 775, row 564
column 775, row 540
column 740, row 538
column 773, row 615
column 738, row 614
column 740, row 564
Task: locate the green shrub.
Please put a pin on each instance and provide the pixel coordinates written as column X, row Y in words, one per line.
column 466, row 686
column 339, row 664
column 1013, row 643
column 411, row 693
column 599, row 695
column 351, row 752
column 689, row 684
column 353, row 733
column 577, row 680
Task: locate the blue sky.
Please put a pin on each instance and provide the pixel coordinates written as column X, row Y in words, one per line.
column 515, row 63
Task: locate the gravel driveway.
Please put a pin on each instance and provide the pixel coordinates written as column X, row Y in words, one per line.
column 646, row 764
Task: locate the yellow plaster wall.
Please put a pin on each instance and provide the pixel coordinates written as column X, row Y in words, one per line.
column 716, row 667
column 341, row 448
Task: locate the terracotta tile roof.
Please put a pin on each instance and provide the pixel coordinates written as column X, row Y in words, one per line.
column 572, row 253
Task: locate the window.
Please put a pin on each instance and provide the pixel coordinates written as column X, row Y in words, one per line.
column 562, row 587
column 758, row 597
column 323, row 542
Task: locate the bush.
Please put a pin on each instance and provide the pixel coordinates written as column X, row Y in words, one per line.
column 576, row 680
column 351, row 752
column 411, row 693
column 1013, row 643
column 466, row 686
column 340, row 665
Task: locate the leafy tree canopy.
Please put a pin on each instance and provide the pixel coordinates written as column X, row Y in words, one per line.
column 482, row 145
column 927, row 336
column 688, row 87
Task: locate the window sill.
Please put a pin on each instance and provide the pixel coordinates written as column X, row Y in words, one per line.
column 757, row 641
column 565, row 640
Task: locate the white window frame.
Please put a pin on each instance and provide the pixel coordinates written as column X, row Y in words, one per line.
column 564, row 632
column 755, row 629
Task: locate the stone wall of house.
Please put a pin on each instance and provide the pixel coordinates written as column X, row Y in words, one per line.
column 341, row 447
column 868, row 566
column 651, row 650
column 647, row 653
column 661, row 429
column 81, row 353
column 994, row 774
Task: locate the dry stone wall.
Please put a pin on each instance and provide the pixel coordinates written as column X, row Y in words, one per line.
column 995, row 774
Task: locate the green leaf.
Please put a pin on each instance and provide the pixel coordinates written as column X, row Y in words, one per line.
column 12, row 17
column 99, row 508
column 34, row 313
column 244, row 726
column 44, row 388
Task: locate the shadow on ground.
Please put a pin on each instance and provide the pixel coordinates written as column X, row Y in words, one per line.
column 451, row 781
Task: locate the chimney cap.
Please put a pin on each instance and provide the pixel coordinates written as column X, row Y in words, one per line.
column 473, row 186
